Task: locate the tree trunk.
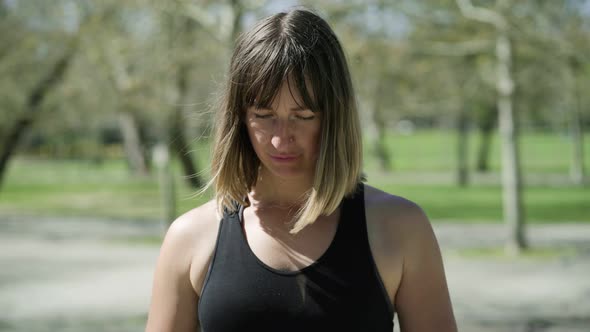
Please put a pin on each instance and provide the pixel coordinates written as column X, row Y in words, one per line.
column 238, row 11
column 379, row 145
column 462, row 148
column 132, row 143
column 511, row 176
column 381, row 150
column 486, row 129
column 577, row 166
column 161, row 157
column 178, row 142
column 577, row 133
column 34, row 100
column 178, row 145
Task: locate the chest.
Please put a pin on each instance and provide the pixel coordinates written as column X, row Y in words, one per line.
column 267, row 236
column 337, row 291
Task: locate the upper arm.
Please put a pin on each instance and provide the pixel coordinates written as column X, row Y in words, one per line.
column 422, row 300
column 174, row 303
column 184, row 257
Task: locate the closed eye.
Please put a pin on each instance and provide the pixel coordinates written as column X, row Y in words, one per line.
column 311, row 117
column 262, row 116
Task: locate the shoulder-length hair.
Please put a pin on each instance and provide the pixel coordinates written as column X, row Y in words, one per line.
column 300, row 45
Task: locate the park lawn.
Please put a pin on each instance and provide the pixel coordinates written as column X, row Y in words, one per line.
column 78, row 188
column 484, row 203
column 84, row 188
column 81, row 188
column 435, row 151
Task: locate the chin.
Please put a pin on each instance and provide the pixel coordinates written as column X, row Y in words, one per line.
column 290, row 173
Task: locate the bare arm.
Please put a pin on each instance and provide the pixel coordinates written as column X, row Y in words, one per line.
column 422, row 301
column 174, row 302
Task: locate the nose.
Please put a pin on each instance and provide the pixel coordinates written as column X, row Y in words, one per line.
column 282, row 134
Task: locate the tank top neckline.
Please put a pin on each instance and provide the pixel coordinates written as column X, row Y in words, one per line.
column 312, row 265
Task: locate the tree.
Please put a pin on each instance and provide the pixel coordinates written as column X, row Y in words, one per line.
column 455, row 83
column 553, row 47
column 184, row 21
column 511, row 176
column 35, row 96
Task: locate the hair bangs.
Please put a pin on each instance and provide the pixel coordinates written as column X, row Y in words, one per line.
column 263, row 75
column 306, row 88
column 297, row 48
column 270, row 67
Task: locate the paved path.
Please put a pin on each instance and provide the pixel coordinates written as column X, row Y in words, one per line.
column 72, row 275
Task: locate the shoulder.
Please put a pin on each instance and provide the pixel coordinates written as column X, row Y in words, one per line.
column 190, row 235
column 196, row 221
column 182, row 259
column 411, row 262
column 397, row 216
column 392, row 208
column 195, row 224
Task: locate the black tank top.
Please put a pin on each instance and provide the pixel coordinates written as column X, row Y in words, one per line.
column 341, row 291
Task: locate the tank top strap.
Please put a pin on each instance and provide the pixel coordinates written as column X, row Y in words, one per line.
column 352, row 218
column 230, row 234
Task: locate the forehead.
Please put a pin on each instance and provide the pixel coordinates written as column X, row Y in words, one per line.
column 287, row 92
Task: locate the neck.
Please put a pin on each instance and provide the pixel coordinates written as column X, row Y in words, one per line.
column 275, row 192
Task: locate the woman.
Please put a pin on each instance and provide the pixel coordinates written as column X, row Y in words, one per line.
column 294, row 241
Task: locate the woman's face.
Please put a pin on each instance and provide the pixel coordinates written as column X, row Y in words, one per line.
column 286, row 135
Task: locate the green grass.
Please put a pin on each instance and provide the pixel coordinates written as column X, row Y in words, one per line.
column 79, row 188
column 435, row 151
column 76, row 188
column 484, row 203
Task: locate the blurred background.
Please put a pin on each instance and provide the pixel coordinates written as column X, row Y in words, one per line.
column 477, row 110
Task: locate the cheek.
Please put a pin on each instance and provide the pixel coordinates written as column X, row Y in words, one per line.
column 257, row 133
column 315, row 137
column 259, row 137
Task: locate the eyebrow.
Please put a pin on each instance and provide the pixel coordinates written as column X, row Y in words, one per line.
column 300, row 108
column 296, row 108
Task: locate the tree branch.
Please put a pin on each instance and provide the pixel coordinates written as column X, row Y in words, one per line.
column 455, row 49
column 481, row 14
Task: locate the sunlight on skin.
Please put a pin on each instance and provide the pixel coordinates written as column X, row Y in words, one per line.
column 286, row 137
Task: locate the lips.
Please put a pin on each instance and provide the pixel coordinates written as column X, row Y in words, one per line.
column 283, row 157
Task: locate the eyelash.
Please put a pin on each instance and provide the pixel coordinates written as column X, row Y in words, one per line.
column 297, row 116
column 262, row 116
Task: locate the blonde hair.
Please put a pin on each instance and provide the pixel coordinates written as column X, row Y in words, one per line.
column 300, row 45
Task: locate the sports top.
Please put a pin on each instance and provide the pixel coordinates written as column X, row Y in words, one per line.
column 340, row 291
